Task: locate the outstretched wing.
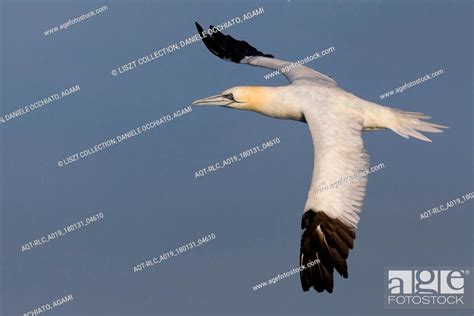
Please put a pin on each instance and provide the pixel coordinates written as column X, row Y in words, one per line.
column 241, row 52
column 334, row 199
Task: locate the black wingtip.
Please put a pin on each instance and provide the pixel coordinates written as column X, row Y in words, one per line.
column 328, row 240
column 199, row 27
column 226, row 47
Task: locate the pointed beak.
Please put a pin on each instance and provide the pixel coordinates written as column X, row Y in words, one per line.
column 213, row 100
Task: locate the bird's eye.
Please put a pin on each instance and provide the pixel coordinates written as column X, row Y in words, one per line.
column 229, row 96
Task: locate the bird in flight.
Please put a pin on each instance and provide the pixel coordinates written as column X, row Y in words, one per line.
column 336, row 120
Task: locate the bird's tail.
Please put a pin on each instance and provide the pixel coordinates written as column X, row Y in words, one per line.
column 408, row 124
column 405, row 124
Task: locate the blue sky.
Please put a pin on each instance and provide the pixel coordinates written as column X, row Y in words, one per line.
column 146, row 186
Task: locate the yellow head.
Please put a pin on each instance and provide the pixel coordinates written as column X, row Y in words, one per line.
column 250, row 98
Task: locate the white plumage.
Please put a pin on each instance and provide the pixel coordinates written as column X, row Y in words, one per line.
column 336, row 119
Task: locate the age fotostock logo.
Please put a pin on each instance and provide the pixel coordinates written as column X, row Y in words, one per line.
column 429, row 288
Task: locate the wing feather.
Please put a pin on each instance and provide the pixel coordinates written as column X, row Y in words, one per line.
column 331, row 211
column 340, row 163
column 228, row 48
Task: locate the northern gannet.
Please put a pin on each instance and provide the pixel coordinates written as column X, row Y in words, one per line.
column 336, row 119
